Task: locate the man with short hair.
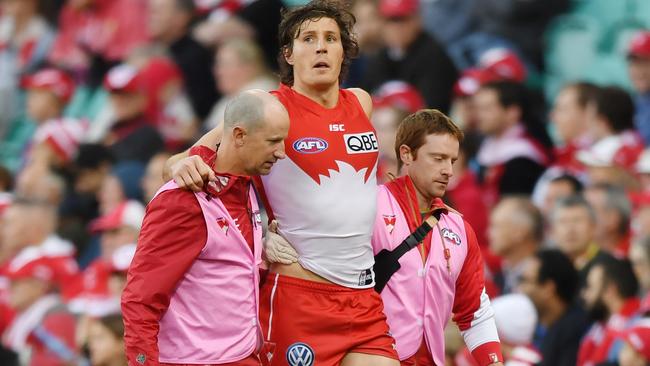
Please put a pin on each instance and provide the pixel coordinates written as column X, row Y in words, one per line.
column 192, row 291
column 443, row 276
column 551, row 282
column 573, row 226
column 613, row 214
column 611, row 300
column 169, row 24
column 516, row 232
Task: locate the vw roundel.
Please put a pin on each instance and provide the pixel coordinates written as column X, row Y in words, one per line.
column 310, row 145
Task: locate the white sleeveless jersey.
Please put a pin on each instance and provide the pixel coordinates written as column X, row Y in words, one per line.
column 324, row 193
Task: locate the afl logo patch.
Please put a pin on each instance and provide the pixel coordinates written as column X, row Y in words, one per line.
column 361, row 143
column 300, row 354
column 450, row 235
column 310, row 145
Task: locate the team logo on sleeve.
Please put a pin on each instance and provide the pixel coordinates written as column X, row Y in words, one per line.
column 223, row 225
column 451, row 236
column 300, row 354
column 310, row 145
column 361, row 143
column 389, row 220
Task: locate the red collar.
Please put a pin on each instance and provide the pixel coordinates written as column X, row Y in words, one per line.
column 403, row 189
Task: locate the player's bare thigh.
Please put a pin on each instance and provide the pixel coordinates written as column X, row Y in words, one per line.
column 363, row 359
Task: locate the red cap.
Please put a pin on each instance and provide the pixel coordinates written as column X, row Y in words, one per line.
column 53, row 80
column 503, row 63
column 128, row 213
column 398, row 8
column 63, row 135
column 471, row 80
column 640, row 45
column 399, row 94
column 42, row 268
column 123, row 78
column 638, row 336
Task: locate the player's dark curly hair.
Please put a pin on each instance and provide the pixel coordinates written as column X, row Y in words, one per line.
column 292, row 21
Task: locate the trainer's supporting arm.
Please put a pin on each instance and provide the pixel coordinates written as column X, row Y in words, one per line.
column 210, row 139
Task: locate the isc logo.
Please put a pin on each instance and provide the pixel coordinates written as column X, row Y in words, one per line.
column 361, row 143
column 337, row 127
column 310, row 145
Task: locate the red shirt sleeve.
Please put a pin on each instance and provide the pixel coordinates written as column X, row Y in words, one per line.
column 472, row 310
column 172, row 236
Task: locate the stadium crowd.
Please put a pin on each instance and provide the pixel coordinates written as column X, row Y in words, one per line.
column 553, row 175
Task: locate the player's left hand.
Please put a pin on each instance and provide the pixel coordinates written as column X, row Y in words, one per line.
column 276, row 248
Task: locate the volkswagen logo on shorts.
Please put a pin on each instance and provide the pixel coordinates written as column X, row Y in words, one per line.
column 300, row 354
column 310, row 145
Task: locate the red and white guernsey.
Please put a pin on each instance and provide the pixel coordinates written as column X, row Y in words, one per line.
column 324, row 193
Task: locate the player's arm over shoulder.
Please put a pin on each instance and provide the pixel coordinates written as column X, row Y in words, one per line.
column 364, row 99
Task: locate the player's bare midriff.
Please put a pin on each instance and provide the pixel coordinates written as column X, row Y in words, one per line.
column 296, row 270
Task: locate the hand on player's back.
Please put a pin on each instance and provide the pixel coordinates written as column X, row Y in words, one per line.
column 192, row 173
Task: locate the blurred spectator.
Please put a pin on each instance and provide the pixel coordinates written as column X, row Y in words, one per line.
column 238, row 66
column 638, row 56
column 131, row 137
column 617, row 145
column 43, row 330
column 559, row 187
column 515, row 233
column 25, row 40
column 640, row 258
column 128, row 176
column 569, row 118
column 56, row 139
column 21, row 238
column 392, row 102
column 636, row 350
column 613, row 212
column 515, row 151
column 369, row 37
column 573, row 226
column 411, row 55
column 610, row 299
column 153, row 177
column 169, row 25
column 168, row 105
column 257, row 19
column 106, row 341
column 551, row 282
column 92, row 165
column 119, row 231
column 96, row 34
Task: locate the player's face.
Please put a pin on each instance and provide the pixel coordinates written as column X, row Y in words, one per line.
column 433, row 166
column 265, row 144
column 317, row 53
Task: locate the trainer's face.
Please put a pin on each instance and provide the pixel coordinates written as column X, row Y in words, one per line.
column 317, row 53
column 432, row 168
column 265, row 144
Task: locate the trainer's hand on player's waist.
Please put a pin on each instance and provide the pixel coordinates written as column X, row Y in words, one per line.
column 192, row 173
column 276, row 248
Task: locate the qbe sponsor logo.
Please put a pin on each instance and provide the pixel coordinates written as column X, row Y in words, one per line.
column 361, row 143
column 310, row 145
column 300, row 354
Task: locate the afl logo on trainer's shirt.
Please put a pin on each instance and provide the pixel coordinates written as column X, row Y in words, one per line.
column 310, row 145
column 361, row 143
